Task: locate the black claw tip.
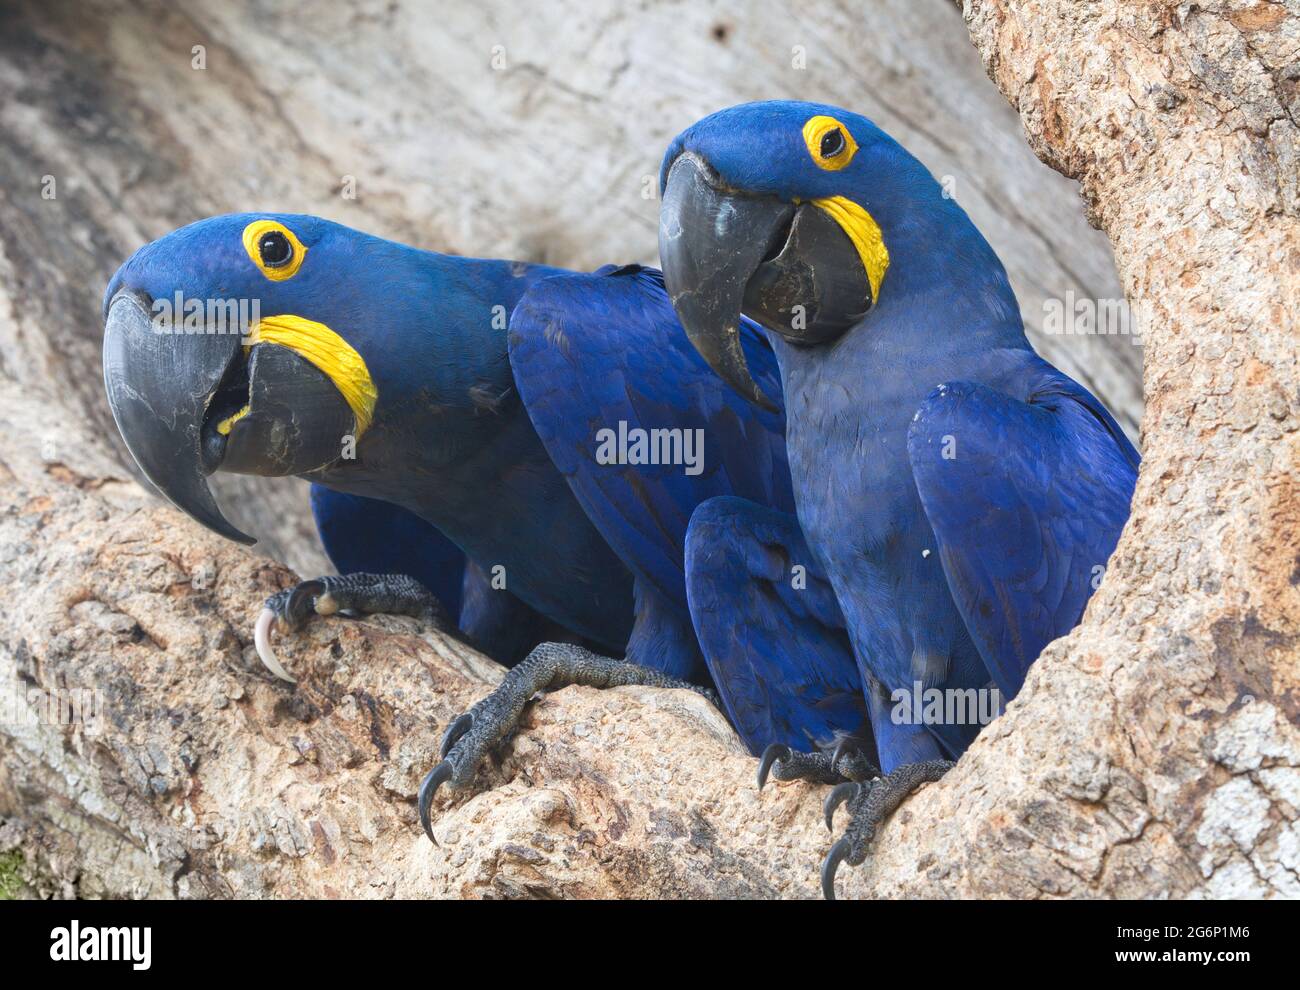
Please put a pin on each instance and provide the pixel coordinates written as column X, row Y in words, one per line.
column 458, row 728
column 842, row 748
column 838, row 795
column 435, row 778
column 839, row 852
column 301, row 598
column 774, row 752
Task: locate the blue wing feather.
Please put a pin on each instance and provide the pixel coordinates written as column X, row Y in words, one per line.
column 771, row 629
column 1027, row 500
column 592, row 351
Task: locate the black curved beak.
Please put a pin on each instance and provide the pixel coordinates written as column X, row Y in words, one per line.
column 790, row 267
column 160, row 384
column 188, row 404
column 710, row 243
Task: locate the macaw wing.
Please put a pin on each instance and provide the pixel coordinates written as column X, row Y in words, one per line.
column 641, row 427
column 1027, row 500
column 771, row 629
column 366, row 535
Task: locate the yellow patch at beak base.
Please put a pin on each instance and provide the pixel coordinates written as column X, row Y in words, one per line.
column 864, row 232
column 334, row 356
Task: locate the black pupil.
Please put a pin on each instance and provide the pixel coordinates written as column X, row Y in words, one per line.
column 275, row 249
column 832, row 143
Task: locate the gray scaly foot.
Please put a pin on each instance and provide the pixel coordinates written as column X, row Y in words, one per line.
column 870, row 804
column 845, row 763
column 358, row 594
column 470, row 737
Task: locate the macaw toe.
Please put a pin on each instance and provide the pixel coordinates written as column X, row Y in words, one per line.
column 847, row 762
column 839, row 794
column 830, row 866
column 286, row 610
column 458, row 728
column 470, row 737
column 868, row 807
column 434, row 779
column 775, row 752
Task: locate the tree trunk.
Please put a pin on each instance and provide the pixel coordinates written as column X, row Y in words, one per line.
column 1152, row 752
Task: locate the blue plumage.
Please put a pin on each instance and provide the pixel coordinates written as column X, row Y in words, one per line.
column 960, row 494
column 1028, row 512
column 481, row 476
column 591, row 352
column 771, row 628
column 604, row 354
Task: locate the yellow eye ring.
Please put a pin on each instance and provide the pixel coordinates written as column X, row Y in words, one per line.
column 829, row 143
column 274, row 249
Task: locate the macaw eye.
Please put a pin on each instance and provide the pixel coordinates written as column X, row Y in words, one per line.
column 274, row 249
column 829, row 142
column 832, row 143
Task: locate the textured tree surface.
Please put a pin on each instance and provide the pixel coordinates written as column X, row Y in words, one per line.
column 1153, row 752
column 191, row 773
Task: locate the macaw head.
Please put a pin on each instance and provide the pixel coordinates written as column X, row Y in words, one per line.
column 253, row 343
column 804, row 216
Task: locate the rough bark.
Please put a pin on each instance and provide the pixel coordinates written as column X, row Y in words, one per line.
column 188, row 772
column 1154, row 752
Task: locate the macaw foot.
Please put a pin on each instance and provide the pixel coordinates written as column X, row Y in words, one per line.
column 472, row 735
column 845, row 763
column 870, row 803
column 351, row 594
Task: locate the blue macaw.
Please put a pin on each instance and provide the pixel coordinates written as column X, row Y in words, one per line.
column 565, row 451
column 961, row 495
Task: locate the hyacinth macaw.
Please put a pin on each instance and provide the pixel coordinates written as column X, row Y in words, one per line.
column 961, row 495
column 449, row 454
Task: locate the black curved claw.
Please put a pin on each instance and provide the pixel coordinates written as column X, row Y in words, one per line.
column 774, row 752
column 458, row 728
column 843, row 747
column 302, row 599
column 434, row 779
column 838, row 795
column 839, row 852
